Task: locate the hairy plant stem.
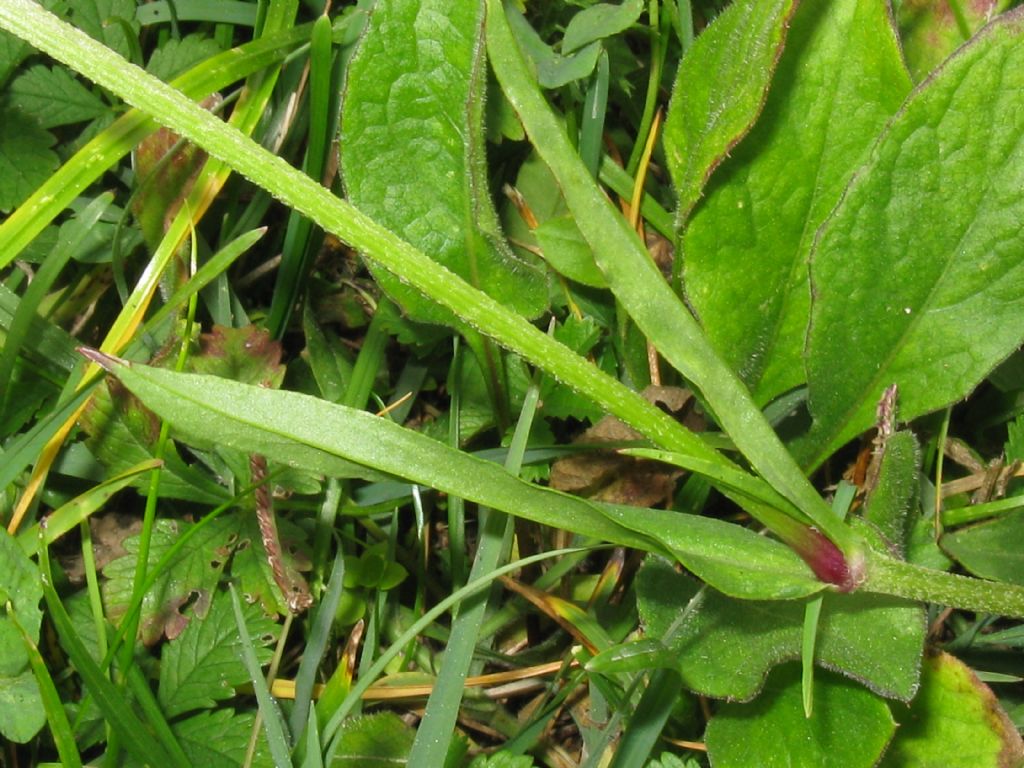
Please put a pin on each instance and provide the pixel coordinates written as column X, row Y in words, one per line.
column 893, row 577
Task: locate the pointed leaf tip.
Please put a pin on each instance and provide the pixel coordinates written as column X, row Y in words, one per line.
column 102, row 359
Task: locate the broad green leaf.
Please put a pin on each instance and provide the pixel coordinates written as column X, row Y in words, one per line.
column 955, row 722
column 302, row 431
column 202, row 665
column 850, row 727
column 931, row 31
column 746, row 244
column 53, row 97
column 379, row 740
column 992, row 550
column 21, row 707
column 413, row 161
column 719, row 91
column 918, row 276
column 600, row 21
column 26, row 159
column 725, row 648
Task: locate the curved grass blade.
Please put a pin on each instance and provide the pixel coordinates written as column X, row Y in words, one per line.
column 96, row 157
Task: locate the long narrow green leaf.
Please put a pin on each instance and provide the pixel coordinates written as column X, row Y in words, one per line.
column 316, row 645
column 638, row 284
column 47, row 32
column 60, row 728
column 273, row 720
column 304, row 431
column 434, row 735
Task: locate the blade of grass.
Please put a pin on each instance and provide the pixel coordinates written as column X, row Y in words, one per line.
column 455, row 598
column 105, row 149
column 273, row 720
column 300, row 241
column 648, row 719
column 79, row 509
column 316, row 646
column 60, row 728
column 436, row 729
column 46, row 275
column 246, row 115
column 131, row 731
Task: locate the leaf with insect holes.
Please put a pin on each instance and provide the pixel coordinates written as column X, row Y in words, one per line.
column 190, row 578
column 231, row 541
column 203, row 664
column 918, row 274
column 849, row 727
column 840, row 78
column 413, row 161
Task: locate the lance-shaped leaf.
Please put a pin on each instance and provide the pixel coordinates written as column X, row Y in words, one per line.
column 303, row 431
column 719, row 91
column 918, row 276
column 412, row 149
column 840, row 79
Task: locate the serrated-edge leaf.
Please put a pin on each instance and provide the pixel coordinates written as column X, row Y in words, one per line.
column 203, row 665
column 53, row 97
